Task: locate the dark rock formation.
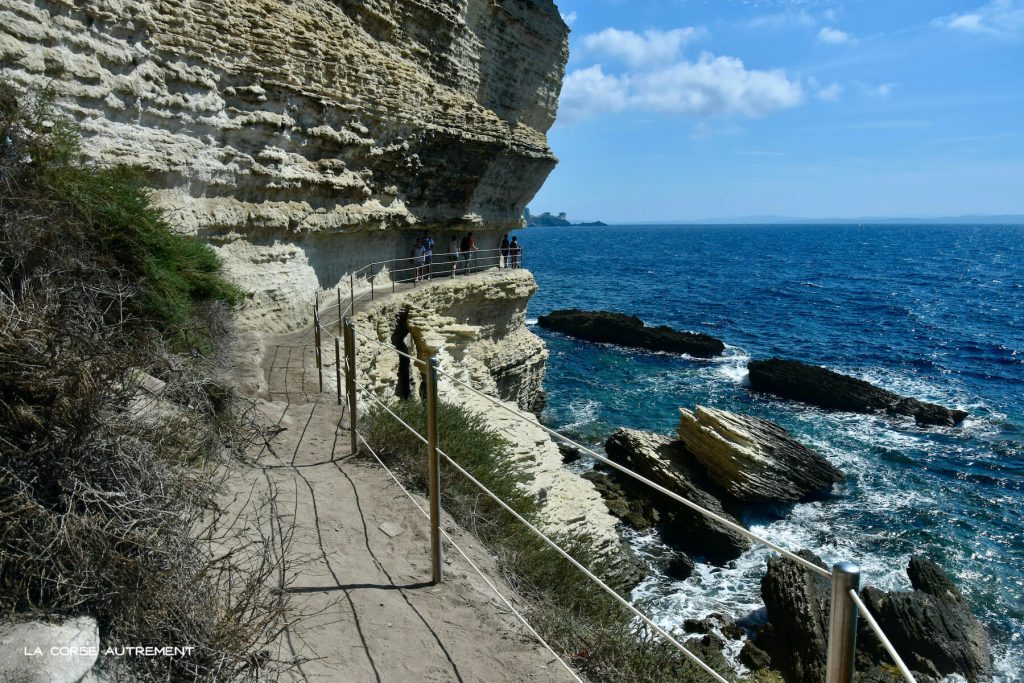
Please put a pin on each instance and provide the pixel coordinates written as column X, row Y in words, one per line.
column 635, row 512
column 753, row 657
column 753, row 459
column 798, row 602
column 668, row 463
column 628, row 330
column 932, row 627
column 828, row 389
column 680, row 567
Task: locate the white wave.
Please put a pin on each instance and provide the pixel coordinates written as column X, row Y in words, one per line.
column 531, row 321
column 581, row 412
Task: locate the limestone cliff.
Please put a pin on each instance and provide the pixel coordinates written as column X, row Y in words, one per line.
column 306, row 138
column 476, row 328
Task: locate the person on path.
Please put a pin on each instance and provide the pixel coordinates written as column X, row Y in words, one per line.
column 468, row 249
column 516, row 252
column 453, row 254
column 428, row 255
column 504, row 248
column 419, row 258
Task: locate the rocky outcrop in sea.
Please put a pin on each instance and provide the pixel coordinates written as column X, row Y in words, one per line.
column 628, row 330
column 826, row 388
column 723, row 462
column 931, row 626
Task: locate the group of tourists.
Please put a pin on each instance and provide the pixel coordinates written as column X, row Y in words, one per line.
column 462, row 255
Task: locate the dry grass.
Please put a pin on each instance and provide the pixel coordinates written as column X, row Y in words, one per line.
column 108, row 493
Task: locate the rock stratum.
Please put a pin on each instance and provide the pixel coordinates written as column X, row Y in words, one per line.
column 829, row 389
column 306, row 139
column 628, row 330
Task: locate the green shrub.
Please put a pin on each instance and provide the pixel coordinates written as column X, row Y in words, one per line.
column 108, row 211
column 589, row 627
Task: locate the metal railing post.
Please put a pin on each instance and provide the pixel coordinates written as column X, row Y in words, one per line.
column 433, row 471
column 372, row 278
column 350, row 377
column 842, row 627
column 340, row 316
column 393, row 274
column 337, row 367
column 316, row 337
column 351, row 294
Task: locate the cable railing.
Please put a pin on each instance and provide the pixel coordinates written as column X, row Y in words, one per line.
column 380, row 276
column 846, row 603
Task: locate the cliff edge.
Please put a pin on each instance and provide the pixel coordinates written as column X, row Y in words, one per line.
column 306, row 139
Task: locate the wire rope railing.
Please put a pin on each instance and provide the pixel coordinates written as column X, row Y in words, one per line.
column 846, row 603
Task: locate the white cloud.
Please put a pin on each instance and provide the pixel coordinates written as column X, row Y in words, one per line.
column 830, row 93
column 569, row 18
column 880, row 90
column 635, row 49
column 782, row 20
column 706, row 87
column 833, row 36
column 997, row 18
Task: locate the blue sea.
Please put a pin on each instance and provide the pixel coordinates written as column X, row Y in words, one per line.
column 935, row 312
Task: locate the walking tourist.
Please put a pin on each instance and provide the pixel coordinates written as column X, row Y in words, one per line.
column 504, row 251
column 419, row 253
column 516, row 252
column 468, row 249
column 453, row 253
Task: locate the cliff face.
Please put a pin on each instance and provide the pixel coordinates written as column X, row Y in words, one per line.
column 306, row 138
column 476, row 327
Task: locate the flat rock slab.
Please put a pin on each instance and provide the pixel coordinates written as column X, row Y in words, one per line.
column 41, row 652
column 826, row 388
column 628, row 330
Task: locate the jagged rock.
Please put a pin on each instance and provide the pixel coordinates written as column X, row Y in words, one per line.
column 753, row 459
column 570, row 454
column 932, row 627
column 829, row 389
column 753, row 657
column 630, row 510
column 79, row 634
column 680, row 567
column 628, row 330
column 797, row 601
column 666, row 462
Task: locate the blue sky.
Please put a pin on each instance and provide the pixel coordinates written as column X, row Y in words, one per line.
column 683, row 110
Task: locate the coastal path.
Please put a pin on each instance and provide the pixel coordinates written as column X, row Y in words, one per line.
column 358, row 556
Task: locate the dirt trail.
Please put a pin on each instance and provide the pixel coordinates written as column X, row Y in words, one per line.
column 368, row 611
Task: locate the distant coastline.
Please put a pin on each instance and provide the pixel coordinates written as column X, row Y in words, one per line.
column 548, row 219
column 1001, row 219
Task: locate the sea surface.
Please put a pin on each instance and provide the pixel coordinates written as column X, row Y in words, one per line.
column 933, row 312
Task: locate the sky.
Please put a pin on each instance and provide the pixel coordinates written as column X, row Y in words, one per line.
column 689, row 110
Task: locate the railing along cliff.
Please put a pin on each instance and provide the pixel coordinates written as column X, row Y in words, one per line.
column 846, row 605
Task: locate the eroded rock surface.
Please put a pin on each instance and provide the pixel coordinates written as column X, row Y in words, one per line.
column 628, row 330
column 306, row 139
column 80, row 635
column 668, row 463
column 753, row 459
column 829, row 389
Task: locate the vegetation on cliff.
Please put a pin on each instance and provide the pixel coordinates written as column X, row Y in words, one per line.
column 591, row 630
column 115, row 417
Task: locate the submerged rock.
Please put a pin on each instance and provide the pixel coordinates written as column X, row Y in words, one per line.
column 628, row 330
column 666, row 462
column 753, row 459
column 829, row 389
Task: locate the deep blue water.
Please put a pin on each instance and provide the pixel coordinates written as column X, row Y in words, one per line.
column 934, row 312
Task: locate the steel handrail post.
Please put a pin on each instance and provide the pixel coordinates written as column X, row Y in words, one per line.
column 316, row 337
column 350, row 372
column 340, row 316
column 392, row 276
column 433, row 470
column 842, row 627
column 337, row 367
column 351, row 293
column 372, row 277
